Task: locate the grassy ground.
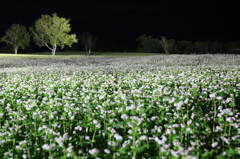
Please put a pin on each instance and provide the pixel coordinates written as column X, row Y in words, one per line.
column 77, row 53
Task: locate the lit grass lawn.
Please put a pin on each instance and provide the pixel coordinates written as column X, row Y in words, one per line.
column 166, row 106
column 79, row 53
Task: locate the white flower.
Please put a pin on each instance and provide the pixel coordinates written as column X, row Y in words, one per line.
column 214, row 144
column 129, row 131
column 69, row 150
column 162, row 149
column 223, row 154
column 107, row 151
column 143, row 137
column 101, row 96
column 225, row 139
column 218, row 128
column 46, row 147
column 191, row 157
column 219, row 97
column 168, row 131
column 112, row 143
column 213, row 95
column 126, row 142
column 179, row 105
column 186, row 100
column 158, row 141
column 229, row 119
column 95, row 121
column 98, row 125
column 228, row 100
column 72, row 117
column 24, row 156
column 235, row 137
column 164, row 139
column 174, row 132
column 78, row 128
column 94, row 151
column 136, row 119
column 59, row 140
column 130, row 107
column 118, row 137
column 174, row 153
column 193, row 143
column 154, row 117
column 189, row 122
column 87, row 138
column 124, row 116
column 112, row 130
column 22, row 142
column 189, row 130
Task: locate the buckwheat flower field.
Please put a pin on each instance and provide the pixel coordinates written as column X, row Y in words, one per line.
column 153, row 107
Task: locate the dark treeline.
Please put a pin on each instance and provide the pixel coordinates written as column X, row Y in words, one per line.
column 149, row 44
column 144, row 43
column 42, row 38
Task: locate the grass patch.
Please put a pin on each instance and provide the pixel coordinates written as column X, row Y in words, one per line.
column 77, row 53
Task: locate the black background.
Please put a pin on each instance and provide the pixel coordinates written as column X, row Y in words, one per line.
column 118, row 23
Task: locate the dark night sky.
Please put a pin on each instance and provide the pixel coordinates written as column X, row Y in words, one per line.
column 122, row 21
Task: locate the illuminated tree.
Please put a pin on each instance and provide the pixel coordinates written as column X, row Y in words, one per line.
column 16, row 37
column 52, row 31
column 88, row 41
column 166, row 44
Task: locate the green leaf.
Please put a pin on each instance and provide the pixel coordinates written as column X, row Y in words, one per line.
column 89, row 107
column 233, row 104
column 123, row 150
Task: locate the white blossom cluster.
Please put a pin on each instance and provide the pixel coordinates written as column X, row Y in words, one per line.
column 107, row 107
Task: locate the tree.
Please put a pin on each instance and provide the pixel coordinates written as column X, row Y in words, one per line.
column 200, row 47
column 185, row 47
column 147, row 44
column 233, row 47
column 53, row 31
column 88, row 41
column 17, row 37
column 166, row 44
column 217, row 47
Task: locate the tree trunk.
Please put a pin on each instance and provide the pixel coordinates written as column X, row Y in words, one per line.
column 16, row 50
column 89, row 51
column 54, row 49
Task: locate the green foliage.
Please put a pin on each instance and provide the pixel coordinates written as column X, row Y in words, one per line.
column 215, row 47
column 148, row 44
column 54, row 31
column 143, row 107
column 88, row 41
column 210, row 47
column 184, row 47
column 17, row 37
column 232, row 45
column 199, row 47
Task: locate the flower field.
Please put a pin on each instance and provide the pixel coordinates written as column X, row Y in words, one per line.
column 165, row 106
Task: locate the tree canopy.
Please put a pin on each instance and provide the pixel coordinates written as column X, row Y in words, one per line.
column 88, row 41
column 16, row 37
column 166, row 44
column 148, row 44
column 53, row 31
